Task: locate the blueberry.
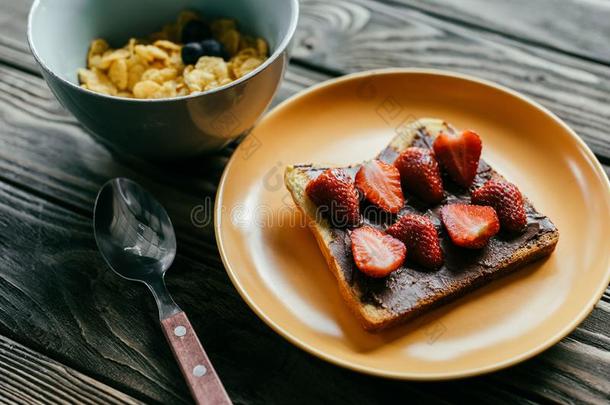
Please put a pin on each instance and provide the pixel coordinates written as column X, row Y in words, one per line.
column 191, row 53
column 211, row 47
column 195, row 31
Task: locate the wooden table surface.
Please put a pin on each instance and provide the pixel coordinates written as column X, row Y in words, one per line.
column 72, row 331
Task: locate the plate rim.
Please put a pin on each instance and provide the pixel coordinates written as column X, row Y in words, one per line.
column 398, row 375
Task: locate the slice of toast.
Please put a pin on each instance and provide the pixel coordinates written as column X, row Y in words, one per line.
column 410, row 291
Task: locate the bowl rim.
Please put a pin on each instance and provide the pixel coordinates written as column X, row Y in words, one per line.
column 280, row 49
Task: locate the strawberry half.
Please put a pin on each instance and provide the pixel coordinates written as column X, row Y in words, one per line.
column 376, row 254
column 420, row 174
column 507, row 200
column 380, row 184
column 421, row 239
column 334, row 191
column 470, row 226
column 459, row 155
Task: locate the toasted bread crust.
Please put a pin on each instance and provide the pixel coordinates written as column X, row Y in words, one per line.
column 369, row 316
column 372, row 317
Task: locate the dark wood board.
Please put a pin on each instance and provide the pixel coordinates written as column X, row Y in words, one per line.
column 82, row 315
column 338, row 37
column 86, row 317
column 29, row 377
column 558, row 25
column 342, row 36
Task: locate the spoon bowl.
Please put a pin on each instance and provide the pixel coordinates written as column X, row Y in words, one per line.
column 133, row 231
column 136, row 238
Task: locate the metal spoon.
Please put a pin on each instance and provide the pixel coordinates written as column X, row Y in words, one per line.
column 136, row 238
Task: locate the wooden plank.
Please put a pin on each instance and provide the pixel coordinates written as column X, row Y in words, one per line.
column 364, row 34
column 13, row 44
column 96, row 337
column 85, row 316
column 29, row 377
column 13, row 18
column 32, row 110
column 65, row 313
column 80, row 166
column 577, row 27
column 51, row 205
column 108, row 336
column 341, row 36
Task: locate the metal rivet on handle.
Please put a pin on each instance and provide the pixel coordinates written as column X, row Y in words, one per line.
column 180, row 331
column 199, row 370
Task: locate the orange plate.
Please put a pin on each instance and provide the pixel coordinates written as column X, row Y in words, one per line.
column 276, row 266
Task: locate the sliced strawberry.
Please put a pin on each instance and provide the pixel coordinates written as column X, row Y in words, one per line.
column 419, row 173
column 334, row 191
column 506, row 199
column 470, row 226
column 380, row 184
column 459, row 155
column 376, row 254
column 421, row 239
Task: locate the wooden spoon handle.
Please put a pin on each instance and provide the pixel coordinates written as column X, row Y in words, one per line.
column 196, row 367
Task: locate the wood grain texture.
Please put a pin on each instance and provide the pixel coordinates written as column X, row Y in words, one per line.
column 28, row 377
column 346, row 36
column 14, row 49
column 577, row 27
column 143, row 366
column 341, row 36
column 84, row 316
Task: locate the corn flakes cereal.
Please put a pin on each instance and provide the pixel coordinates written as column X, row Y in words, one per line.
column 157, row 64
column 98, row 47
column 175, row 61
column 246, row 67
column 230, row 40
column 96, row 80
column 196, row 79
column 262, row 47
column 214, row 65
column 168, row 89
column 167, row 45
column 134, row 74
column 150, row 52
column 118, row 74
column 96, row 50
column 246, row 41
column 160, row 75
column 244, row 62
column 154, row 68
column 131, row 47
column 146, row 89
